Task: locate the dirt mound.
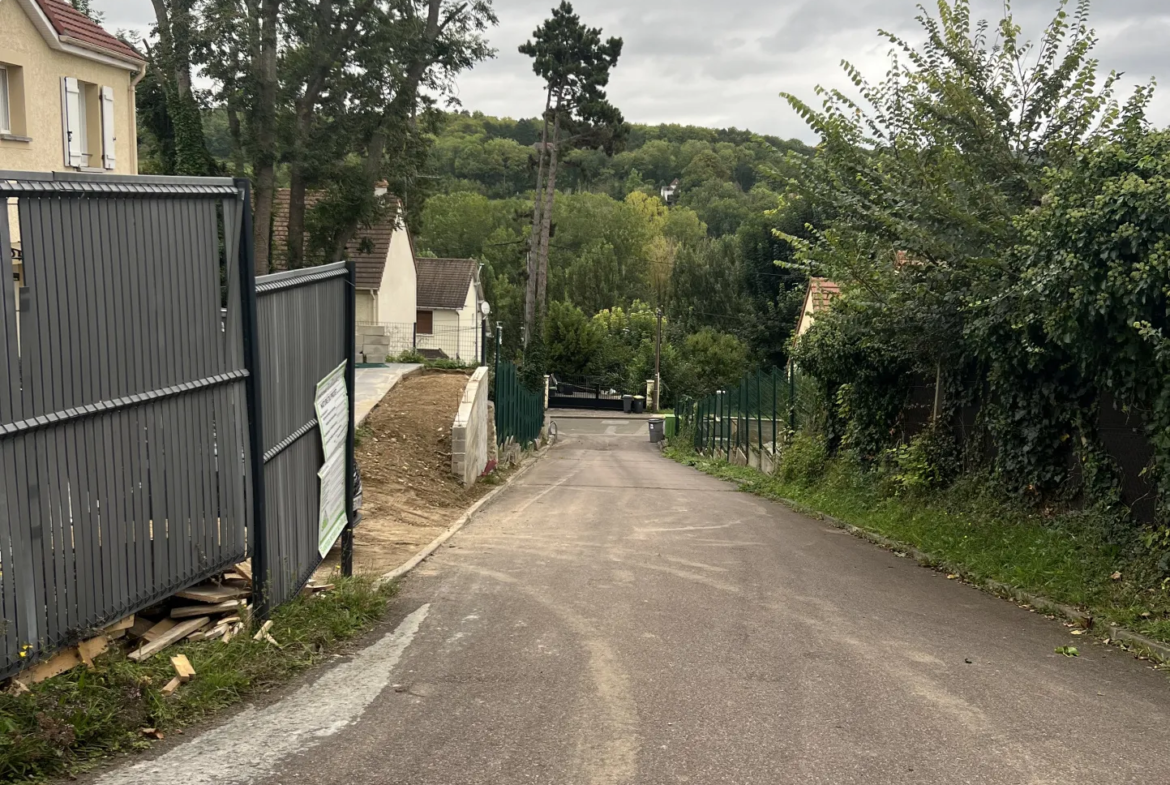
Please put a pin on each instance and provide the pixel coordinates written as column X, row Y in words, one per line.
column 409, row 492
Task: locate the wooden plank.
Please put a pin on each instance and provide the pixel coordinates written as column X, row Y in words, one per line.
column 176, row 633
column 171, row 686
column 91, row 648
column 183, row 667
column 59, row 663
column 245, row 568
column 125, row 624
column 213, row 594
column 259, row 636
column 140, row 627
column 157, row 629
column 187, row 611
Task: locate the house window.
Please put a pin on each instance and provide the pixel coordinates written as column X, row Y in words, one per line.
column 12, row 101
column 424, row 322
column 87, row 124
column 5, row 112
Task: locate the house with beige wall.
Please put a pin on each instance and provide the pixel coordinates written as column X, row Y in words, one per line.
column 66, row 91
column 449, row 308
column 66, row 97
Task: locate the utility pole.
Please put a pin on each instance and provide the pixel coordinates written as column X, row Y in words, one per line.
column 658, row 362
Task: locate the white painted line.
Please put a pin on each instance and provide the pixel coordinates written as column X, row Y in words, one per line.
column 249, row 746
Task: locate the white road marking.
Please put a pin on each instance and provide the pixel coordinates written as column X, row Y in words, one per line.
column 249, row 746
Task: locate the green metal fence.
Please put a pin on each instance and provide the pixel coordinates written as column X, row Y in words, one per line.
column 752, row 416
column 519, row 411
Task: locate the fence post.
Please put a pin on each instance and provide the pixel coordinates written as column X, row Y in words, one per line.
column 774, row 417
column 350, row 389
column 727, row 424
column 251, row 331
column 792, row 397
column 759, row 418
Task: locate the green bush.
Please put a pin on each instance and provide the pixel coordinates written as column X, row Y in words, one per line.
column 408, row 356
column 928, row 462
column 804, row 460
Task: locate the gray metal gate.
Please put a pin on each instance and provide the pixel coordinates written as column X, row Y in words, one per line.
column 123, row 430
column 306, row 330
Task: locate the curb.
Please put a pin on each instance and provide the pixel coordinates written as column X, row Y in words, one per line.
column 462, row 521
column 1133, row 641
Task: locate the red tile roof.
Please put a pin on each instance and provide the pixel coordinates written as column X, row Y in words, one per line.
column 368, row 248
column 822, row 291
column 443, row 283
column 71, row 23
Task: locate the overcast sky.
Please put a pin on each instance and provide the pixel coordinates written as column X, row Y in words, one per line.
column 724, row 63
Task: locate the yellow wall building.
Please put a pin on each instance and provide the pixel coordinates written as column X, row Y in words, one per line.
column 66, row 92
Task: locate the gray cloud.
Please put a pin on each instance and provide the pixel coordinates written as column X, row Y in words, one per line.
column 724, row 63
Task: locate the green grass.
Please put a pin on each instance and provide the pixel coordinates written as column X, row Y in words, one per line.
column 69, row 721
column 1066, row 556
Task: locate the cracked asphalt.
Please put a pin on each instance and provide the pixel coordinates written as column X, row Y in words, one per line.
column 613, row 617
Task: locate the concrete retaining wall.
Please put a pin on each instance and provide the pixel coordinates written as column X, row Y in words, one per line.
column 469, row 433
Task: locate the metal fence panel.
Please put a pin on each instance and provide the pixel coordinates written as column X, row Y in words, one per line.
column 122, row 447
column 303, row 332
column 519, row 412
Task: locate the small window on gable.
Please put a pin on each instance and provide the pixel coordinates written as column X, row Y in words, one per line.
column 424, row 322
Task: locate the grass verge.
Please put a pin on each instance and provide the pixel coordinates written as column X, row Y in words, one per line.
column 68, row 722
column 1077, row 558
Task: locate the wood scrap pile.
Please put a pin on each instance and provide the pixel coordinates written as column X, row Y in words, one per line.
column 218, row 608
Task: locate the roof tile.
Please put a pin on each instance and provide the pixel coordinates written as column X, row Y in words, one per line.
column 70, row 22
column 443, row 283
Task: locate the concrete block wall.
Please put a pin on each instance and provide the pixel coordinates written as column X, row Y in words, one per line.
column 470, row 432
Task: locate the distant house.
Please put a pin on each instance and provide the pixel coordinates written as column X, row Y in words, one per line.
column 384, row 257
column 670, row 192
column 450, row 307
column 821, row 292
column 66, row 91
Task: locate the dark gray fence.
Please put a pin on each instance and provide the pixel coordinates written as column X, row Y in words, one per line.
column 122, row 420
column 305, row 331
column 143, row 388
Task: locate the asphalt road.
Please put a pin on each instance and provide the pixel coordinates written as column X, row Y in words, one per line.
column 614, row 617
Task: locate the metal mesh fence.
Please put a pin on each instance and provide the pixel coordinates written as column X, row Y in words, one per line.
column 519, row 412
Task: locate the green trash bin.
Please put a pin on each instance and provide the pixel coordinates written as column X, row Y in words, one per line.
column 671, row 425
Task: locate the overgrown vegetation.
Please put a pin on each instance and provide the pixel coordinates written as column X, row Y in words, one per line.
column 996, row 219
column 80, row 716
column 1069, row 556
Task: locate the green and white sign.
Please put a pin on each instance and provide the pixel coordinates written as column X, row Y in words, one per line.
column 332, row 404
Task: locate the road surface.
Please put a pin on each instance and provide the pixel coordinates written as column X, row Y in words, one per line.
column 614, row 617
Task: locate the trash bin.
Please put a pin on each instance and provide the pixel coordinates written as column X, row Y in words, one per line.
column 657, row 429
column 627, row 403
column 639, row 404
column 671, row 425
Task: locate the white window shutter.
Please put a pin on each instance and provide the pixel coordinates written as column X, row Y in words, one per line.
column 108, row 159
column 71, row 117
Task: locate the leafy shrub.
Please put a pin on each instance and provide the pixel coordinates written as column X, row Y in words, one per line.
column 804, row 460
column 408, row 356
column 928, row 462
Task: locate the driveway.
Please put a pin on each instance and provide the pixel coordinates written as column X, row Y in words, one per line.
column 614, row 617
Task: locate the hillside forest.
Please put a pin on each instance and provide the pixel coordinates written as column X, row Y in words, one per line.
column 618, row 251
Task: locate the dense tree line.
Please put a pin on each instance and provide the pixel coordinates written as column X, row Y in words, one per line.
column 708, row 259
column 995, row 217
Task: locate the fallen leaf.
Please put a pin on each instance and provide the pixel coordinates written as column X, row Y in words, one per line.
column 1146, row 615
column 1116, row 576
column 152, row 733
column 1078, row 632
column 952, row 576
column 1067, row 651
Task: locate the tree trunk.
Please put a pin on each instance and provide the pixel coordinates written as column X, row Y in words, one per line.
column 233, row 117
column 295, row 253
column 546, row 224
column 265, row 127
column 534, row 236
column 174, row 37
